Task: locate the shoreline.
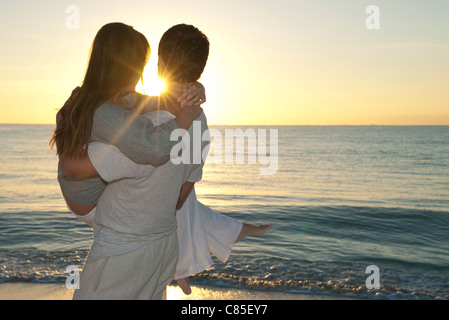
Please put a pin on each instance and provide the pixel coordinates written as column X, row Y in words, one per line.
column 57, row 291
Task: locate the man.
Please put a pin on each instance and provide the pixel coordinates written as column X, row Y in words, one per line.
column 134, row 252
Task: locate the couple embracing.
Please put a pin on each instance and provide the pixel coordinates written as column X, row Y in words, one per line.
column 116, row 174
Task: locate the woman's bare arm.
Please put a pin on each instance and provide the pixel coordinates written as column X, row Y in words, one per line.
column 76, row 168
column 81, row 168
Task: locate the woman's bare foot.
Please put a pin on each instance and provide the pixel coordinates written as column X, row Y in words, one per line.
column 252, row 230
column 184, row 285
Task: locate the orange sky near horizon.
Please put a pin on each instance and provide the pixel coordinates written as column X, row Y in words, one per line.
column 271, row 63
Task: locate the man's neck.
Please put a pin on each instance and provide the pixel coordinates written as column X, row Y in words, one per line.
column 170, row 96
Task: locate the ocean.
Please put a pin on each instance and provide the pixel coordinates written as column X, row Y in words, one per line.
column 357, row 212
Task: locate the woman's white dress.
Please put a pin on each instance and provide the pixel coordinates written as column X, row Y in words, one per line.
column 202, row 232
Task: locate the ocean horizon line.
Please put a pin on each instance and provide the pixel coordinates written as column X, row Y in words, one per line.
column 279, row 125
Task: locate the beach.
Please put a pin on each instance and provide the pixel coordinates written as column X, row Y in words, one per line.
column 52, row 291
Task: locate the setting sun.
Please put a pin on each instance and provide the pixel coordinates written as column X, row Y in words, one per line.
column 152, row 84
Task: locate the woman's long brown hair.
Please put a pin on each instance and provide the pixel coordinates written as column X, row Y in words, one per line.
column 117, row 59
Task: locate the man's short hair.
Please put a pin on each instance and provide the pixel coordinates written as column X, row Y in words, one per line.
column 184, row 50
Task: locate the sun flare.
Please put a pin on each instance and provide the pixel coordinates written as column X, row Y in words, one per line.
column 152, row 84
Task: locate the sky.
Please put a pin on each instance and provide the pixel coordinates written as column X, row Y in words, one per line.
column 283, row 62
